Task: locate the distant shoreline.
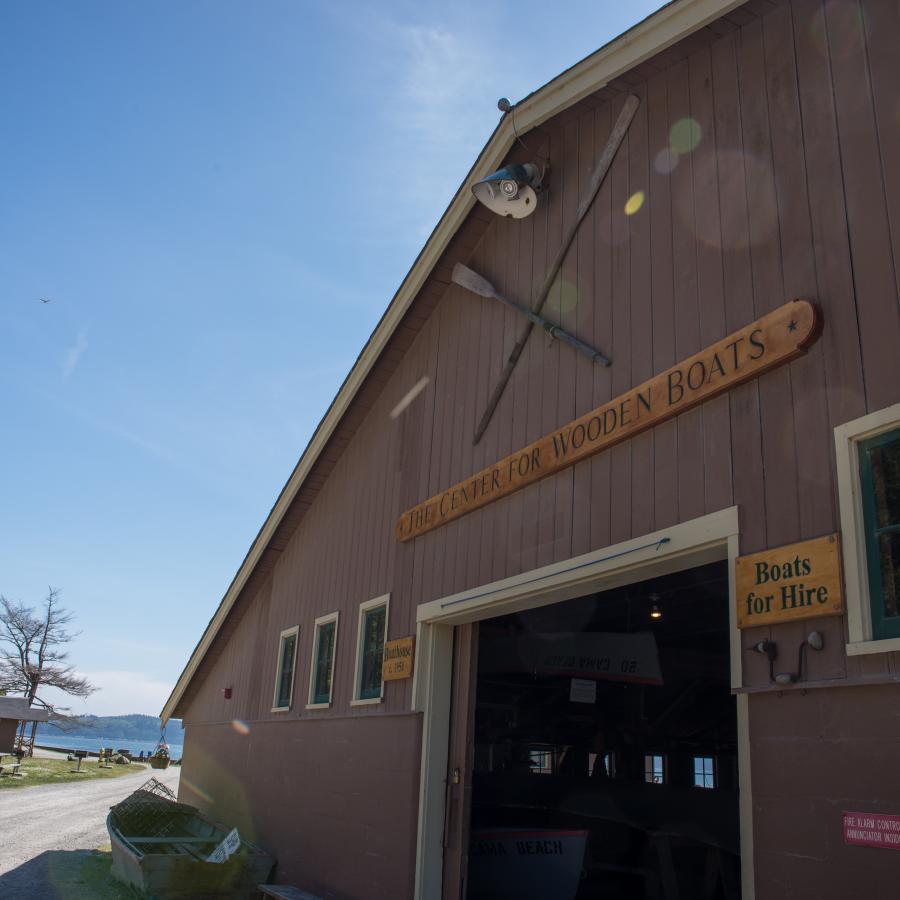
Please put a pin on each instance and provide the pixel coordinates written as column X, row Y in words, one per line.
column 92, row 745
column 132, row 727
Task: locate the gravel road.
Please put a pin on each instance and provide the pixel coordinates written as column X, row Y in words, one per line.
column 68, row 816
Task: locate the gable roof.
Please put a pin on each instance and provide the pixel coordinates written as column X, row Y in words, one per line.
column 668, row 25
column 19, row 709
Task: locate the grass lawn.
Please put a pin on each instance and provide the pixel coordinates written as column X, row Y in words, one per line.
column 55, row 771
column 85, row 875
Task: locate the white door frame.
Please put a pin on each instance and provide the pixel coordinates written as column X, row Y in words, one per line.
column 708, row 539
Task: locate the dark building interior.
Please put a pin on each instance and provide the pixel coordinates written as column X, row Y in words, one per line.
column 606, row 747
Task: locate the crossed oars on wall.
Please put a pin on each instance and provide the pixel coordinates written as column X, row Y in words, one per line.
column 472, row 281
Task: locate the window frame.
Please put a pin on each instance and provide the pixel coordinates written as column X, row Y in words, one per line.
column 664, row 769
column 312, row 703
column 854, row 543
column 288, row 632
column 713, row 773
column 385, row 601
column 548, row 763
column 608, row 759
column 882, row 628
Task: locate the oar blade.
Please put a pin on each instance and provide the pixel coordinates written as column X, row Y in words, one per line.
column 472, row 281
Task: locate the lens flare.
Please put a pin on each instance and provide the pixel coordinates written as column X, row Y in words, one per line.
column 240, row 726
column 665, row 161
column 634, row 203
column 845, row 36
column 684, row 135
column 737, row 174
column 196, row 789
column 409, row 396
column 567, row 296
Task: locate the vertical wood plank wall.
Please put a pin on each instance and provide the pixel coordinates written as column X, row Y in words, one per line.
column 787, row 186
column 789, row 192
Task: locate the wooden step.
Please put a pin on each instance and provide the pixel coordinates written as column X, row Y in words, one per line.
column 285, row 892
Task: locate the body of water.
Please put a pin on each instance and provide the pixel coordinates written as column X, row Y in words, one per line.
column 93, row 744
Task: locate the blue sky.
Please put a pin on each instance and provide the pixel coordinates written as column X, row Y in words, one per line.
column 219, row 199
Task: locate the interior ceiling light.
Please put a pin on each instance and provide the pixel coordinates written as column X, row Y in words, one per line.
column 511, row 191
column 655, row 607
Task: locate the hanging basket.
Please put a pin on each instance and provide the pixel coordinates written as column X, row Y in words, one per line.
column 160, row 758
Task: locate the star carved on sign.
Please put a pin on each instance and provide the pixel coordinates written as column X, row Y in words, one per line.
column 792, row 325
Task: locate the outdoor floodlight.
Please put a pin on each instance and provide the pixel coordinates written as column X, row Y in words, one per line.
column 511, row 190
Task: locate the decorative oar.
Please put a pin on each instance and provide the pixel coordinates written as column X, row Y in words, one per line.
column 602, row 167
column 477, row 284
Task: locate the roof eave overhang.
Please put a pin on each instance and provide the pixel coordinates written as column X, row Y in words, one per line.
column 654, row 34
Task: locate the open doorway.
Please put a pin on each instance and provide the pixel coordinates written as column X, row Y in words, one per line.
column 605, row 747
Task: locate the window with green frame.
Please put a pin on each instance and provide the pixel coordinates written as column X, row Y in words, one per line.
column 284, row 685
column 879, row 476
column 372, row 652
column 323, row 661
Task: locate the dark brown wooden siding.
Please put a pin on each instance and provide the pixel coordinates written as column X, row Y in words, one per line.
column 334, row 801
column 792, row 190
column 816, row 755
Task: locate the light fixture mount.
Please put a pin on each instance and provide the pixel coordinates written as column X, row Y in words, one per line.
column 512, row 190
column 814, row 641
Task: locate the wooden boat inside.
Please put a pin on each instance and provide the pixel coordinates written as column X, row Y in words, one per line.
column 163, row 848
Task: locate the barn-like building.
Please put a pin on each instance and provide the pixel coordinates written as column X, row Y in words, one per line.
column 638, row 636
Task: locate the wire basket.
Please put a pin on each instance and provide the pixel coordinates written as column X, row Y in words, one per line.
column 151, row 811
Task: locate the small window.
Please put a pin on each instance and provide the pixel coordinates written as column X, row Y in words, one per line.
column 609, row 764
column 867, row 460
column 879, row 477
column 541, row 761
column 284, row 673
column 322, row 674
column 704, row 772
column 655, row 769
column 370, row 650
column 604, row 768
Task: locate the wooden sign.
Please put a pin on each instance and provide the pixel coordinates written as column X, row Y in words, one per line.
column 771, row 341
column 600, row 655
column 799, row 581
column 398, row 659
column 872, row 830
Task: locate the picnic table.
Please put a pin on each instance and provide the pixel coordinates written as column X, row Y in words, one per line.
column 14, row 767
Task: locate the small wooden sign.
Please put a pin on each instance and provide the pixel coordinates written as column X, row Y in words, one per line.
column 799, row 581
column 398, row 659
column 775, row 339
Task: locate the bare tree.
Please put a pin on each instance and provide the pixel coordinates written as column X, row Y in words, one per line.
column 32, row 656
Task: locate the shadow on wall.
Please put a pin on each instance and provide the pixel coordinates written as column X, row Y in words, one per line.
column 65, row 875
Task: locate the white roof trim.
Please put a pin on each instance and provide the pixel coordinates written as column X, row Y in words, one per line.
column 649, row 37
